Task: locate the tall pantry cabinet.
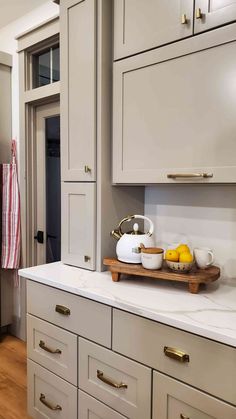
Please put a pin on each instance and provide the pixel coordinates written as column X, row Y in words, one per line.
column 91, row 206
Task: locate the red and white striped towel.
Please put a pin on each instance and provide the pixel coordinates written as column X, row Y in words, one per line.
column 10, row 214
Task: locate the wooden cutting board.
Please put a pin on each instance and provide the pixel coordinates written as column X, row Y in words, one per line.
column 194, row 278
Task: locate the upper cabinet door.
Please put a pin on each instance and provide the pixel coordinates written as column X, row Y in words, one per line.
column 174, row 114
column 212, row 13
column 141, row 25
column 78, row 90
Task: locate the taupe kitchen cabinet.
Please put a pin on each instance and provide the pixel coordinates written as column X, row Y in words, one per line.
column 78, row 90
column 91, row 206
column 175, row 400
column 140, row 25
column 90, row 408
column 174, row 112
column 212, row 13
column 78, row 224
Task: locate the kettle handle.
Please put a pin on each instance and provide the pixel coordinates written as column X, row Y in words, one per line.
column 151, row 226
column 131, row 217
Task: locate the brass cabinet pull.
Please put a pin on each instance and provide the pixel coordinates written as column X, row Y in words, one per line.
column 47, row 349
column 198, row 13
column 87, row 258
column 184, row 416
column 110, row 382
column 48, row 404
column 176, row 354
column 87, row 169
column 184, row 19
column 189, row 175
column 62, row 310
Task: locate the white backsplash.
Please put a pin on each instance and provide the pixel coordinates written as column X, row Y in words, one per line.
column 201, row 215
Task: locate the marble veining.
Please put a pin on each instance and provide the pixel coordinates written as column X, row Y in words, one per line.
column 211, row 313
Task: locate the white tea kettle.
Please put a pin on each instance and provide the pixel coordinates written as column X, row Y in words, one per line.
column 128, row 246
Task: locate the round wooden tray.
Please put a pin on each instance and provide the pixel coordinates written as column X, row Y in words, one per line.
column 194, row 278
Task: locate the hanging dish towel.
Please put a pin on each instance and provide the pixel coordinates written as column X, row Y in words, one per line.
column 10, row 215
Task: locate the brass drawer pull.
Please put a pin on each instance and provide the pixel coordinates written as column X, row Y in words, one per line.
column 62, row 310
column 110, row 382
column 47, row 349
column 184, row 416
column 184, row 19
column 176, row 354
column 48, row 404
column 189, row 175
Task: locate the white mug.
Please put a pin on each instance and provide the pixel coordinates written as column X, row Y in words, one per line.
column 204, row 257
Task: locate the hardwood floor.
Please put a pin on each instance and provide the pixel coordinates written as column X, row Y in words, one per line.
column 13, row 379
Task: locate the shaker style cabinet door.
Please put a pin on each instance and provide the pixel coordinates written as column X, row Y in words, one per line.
column 174, row 113
column 78, row 90
column 212, row 13
column 141, row 25
column 78, row 224
column 175, row 400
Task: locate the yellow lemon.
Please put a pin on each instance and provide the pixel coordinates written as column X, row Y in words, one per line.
column 183, row 248
column 172, row 255
column 185, row 257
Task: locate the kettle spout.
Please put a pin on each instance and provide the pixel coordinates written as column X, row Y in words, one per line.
column 116, row 234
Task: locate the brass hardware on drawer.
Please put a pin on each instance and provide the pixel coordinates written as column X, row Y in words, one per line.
column 184, row 19
column 189, row 175
column 176, row 354
column 198, row 13
column 87, row 169
column 62, row 310
column 184, row 416
column 87, row 258
column 47, row 349
column 48, row 404
column 110, row 382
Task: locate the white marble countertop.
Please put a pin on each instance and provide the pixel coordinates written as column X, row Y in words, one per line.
column 210, row 313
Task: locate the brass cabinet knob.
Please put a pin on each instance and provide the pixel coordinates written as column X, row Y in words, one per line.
column 184, row 19
column 87, row 169
column 184, row 416
column 87, row 258
column 199, row 14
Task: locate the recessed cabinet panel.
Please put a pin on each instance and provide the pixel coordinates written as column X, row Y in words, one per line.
column 212, row 13
column 48, row 395
column 78, row 224
column 172, row 400
column 52, row 347
column 176, row 115
column 140, row 25
column 78, row 90
column 122, row 384
column 90, row 408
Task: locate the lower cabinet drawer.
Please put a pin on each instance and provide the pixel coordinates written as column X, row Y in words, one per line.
column 122, row 384
column 79, row 315
column 200, row 362
column 90, row 408
column 175, row 400
column 49, row 396
column 53, row 348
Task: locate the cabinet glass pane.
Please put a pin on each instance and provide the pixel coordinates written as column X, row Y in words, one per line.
column 55, row 64
column 41, row 69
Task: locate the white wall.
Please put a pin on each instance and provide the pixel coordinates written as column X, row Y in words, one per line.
column 201, row 215
column 9, row 44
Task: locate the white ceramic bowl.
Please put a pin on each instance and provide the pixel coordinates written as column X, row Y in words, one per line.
column 180, row 267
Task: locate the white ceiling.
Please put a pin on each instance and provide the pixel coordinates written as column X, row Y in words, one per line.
column 11, row 10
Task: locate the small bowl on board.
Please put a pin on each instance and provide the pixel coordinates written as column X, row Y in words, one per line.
column 181, row 267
